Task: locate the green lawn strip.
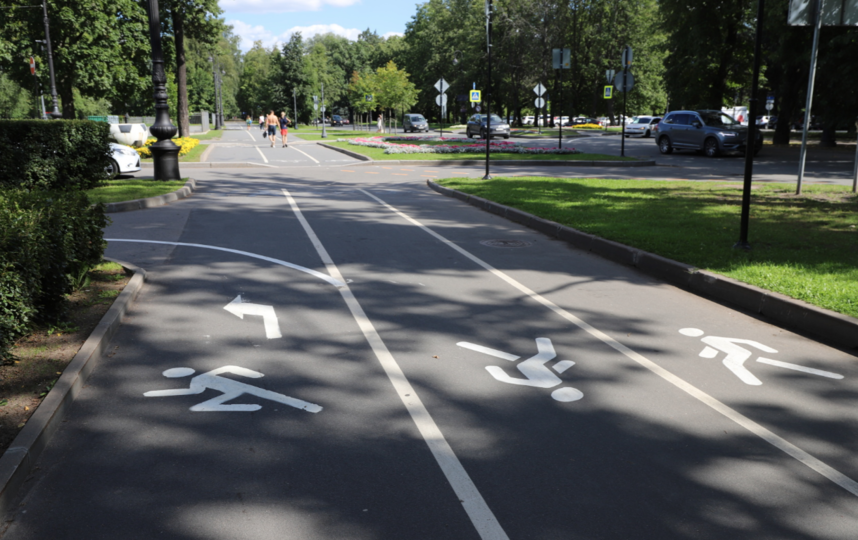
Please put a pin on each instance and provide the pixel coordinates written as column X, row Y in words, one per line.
column 805, row 246
column 129, row 189
column 212, row 134
column 191, row 157
column 332, row 135
column 378, row 154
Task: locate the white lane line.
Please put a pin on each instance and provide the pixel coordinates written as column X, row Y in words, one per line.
column 335, row 282
column 777, row 441
column 485, row 350
column 472, row 501
column 249, row 135
column 306, row 154
column 265, row 159
column 797, row 367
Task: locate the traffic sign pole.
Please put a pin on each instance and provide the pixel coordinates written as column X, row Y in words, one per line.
column 489, row 10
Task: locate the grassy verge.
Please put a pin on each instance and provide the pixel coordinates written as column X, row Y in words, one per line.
column 803, row 246
column 212, row 134
column 379, row 155
column 129, row 189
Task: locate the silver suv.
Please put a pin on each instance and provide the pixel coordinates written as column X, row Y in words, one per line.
column 713, row 132
column 414, row 122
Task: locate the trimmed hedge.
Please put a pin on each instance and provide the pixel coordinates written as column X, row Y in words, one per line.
column 48, row 239
column 60, row 155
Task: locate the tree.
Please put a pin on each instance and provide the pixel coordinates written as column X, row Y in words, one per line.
column 393, row 90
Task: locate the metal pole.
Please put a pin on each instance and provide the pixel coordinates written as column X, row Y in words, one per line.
column 295, row 108
column 560, row 101
column 855, row 172
column 324, row 133
column 750, row 141
column 817, row 26
column 442, row 108
column 56, row 111
column 165, row 153
column 623, row 120
column 488, row 176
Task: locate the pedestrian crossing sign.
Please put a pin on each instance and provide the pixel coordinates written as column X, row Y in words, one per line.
column 609, row 91
column 476, row 96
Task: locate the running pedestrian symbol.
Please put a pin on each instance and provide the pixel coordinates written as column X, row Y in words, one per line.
column 230, row 390
column 736, row 356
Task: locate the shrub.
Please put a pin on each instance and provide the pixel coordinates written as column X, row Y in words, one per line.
column 53, row 155
column 47, row 240
column 185, row 143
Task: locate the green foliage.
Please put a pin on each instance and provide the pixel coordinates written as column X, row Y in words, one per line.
column 57, row 155
column 48, row 239
column 15, row 102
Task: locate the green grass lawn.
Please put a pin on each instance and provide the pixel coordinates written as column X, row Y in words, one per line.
column 129, row 189
column 379, row 155
column 212, row 134
column 803, row 246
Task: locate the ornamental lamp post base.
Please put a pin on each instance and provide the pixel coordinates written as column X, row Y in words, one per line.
column 165, row 154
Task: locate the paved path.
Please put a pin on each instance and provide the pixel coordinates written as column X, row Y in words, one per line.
column 407, row 366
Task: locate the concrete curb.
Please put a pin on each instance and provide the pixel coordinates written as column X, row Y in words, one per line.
column 18, row 461
column 151, row 202
column 216, row 165
column 825, row 325
column 499, row 162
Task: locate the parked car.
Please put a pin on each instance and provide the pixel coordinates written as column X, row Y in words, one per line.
column 528, row 120
column 642, row 126
column 710, row 131
column 414, row 122
column 477, row 127
column 122, row 160
column 336, row 120
column 772, row 123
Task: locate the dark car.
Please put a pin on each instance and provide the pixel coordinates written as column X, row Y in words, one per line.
column 336, row 120
column 477, row 126
column 712, row 132
column 414, row 122
column 772, row 123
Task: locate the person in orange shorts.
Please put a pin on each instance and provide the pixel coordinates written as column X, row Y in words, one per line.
column 284, row 128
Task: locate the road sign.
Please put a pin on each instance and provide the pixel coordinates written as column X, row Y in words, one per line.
column 315, row 107
column 32, row 66
column 442, row 85
column 323, row 108
column 368, row 97
column 630, row 82
column 441, row 99
column 627, row 57
column 315, row 99
column 609, row 75
column 561, row 58
column 539, row 89
column 609, row 92
column 479, row 108
column 476, row 96
column 834, row 13
column 539, row 102
column 770, row 105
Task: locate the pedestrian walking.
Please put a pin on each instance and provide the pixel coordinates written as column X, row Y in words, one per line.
column 380, row 123
column 249, row 122
column 284, row 128
column 261, row 122
column 271, row 121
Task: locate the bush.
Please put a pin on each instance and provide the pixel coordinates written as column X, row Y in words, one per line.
column 47, row 241
column 186, row 144
column 65, row 155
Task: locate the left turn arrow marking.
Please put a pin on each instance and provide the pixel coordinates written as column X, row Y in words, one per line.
column 269, row 318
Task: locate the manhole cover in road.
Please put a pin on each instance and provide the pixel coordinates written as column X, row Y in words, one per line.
column 506, row 243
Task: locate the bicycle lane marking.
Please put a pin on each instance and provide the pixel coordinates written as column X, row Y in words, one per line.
column 731, row 414
column 475, row 506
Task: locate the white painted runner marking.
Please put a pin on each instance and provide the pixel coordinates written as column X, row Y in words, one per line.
column 265, row 159
column 777, row 441
column 250, row 135
column 797, row 367
column 475, row 506
column 306, row 154
column 229, row 389
column 335, row 282
column 485, row 350
column 269, row 318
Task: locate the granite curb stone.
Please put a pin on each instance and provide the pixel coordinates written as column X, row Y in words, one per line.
column 18, row 461
column 151, row 202
column 828, row 326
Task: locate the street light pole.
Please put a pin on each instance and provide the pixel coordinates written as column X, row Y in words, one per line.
column 165, row 153
column 488, row 176
column 295, row 108
column 324, row 132
column 56, row 111
column 216, row 100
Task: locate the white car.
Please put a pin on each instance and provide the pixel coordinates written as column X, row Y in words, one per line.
column 642, row 126
column 528, row 121
column 123, row 159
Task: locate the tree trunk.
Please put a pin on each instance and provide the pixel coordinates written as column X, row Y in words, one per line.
column 65, row 93
column 181, row 73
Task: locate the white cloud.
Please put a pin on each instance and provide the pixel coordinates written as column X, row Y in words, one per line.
column 249, row 34
column 281, row 6
column 391, row 34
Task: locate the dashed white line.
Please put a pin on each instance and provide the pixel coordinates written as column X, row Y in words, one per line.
column 261, row 154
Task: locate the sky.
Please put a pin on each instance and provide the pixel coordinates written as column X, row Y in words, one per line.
column 273, row 21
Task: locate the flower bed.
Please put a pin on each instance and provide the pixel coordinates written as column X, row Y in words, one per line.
column 186, row 143
column 504, row 147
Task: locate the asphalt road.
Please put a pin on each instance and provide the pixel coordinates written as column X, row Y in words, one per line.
column 364, row 358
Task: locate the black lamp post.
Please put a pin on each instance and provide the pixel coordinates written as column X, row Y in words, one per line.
column 56, row 111
column 165, row 153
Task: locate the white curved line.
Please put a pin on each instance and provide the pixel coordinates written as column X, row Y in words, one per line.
column 335, row 282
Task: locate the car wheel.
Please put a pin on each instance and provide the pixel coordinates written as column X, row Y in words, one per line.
column 664, row 145
column 112, row 169
column 710, row 147
column 506, row 136
column 482, row 134
column 647, row 134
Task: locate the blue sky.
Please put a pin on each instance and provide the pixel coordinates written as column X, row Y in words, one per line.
column 273, row 21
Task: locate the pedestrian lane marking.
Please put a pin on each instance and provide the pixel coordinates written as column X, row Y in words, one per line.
column 427, row 176
column 370, row 172
column 345, row 170
column 398, row 174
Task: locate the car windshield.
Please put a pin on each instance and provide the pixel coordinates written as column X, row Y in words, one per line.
column 718, row 119
column 641, row 120
column 495, row 119
column 417, row 118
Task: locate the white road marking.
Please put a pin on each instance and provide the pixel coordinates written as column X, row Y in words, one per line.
column 269, row 318
column 563, row 365
column 306, row 154
column 778, row 442
column 335, row 282
column 797, row 367
column 475, row 506
column 265, row 159
column 249, row 135
column 485, row 350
